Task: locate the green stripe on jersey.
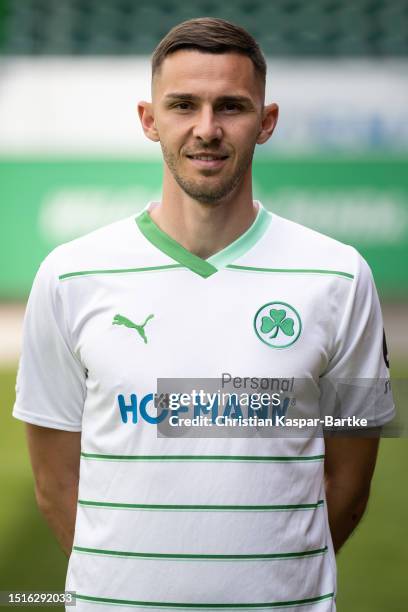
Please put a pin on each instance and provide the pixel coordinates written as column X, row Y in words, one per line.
column 291, row 270
column 204, row 606
column 202, row 507
column 215, row 458
column 118, row 271
column 185, row 557
column 205, row 271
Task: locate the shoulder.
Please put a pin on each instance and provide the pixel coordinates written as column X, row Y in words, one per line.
column 116, row 246
column 94, row 248
column 290, row 245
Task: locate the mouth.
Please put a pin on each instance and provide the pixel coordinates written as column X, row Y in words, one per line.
column 207, row 160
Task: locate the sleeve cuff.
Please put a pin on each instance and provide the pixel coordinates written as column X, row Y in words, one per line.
column 44, row 421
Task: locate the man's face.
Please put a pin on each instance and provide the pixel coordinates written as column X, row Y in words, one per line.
column 207, row 112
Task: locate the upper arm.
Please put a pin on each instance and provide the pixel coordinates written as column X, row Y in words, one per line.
column 55, row 456
column 350, row 462
column 356, row 380
column 51, row 380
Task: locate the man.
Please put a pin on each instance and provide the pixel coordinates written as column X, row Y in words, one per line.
column 202, row 284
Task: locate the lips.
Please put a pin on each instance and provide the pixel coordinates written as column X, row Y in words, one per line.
column 206, row 156
column 207, row 161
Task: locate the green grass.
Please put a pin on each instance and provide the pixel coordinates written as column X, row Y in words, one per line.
column 30, row 558
column 372, row 566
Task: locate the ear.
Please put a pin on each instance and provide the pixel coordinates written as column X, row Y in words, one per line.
column 146, row 116
column 269, row 120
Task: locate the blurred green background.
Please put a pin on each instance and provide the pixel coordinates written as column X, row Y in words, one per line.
column 72, row 158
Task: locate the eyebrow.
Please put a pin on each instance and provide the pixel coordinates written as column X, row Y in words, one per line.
column 192, row 97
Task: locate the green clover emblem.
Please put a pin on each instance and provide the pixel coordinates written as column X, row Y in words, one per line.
column 277, row 324
column 277, row 320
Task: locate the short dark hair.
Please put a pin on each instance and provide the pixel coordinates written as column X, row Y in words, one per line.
column 210, row 35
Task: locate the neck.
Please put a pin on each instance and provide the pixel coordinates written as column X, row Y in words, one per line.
column 204, row 229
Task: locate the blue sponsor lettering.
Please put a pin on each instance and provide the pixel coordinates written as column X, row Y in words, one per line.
column 131, row 408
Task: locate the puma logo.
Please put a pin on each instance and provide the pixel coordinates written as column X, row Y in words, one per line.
column 120, row 320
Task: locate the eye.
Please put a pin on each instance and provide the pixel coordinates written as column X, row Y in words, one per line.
column 231, row 107
column 182, row 105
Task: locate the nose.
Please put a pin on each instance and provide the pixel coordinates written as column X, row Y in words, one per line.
column 207, row 127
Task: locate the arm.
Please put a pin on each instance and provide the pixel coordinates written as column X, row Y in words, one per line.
column 349, row 466
column 55, row 456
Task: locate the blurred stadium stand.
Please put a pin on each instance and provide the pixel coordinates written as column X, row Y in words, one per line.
column 289, row 28
column 337, row 162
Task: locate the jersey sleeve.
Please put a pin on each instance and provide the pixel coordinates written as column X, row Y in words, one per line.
column 356, row 381
column 51, row 388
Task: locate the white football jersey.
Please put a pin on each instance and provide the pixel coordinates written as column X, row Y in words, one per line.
column 197, row 522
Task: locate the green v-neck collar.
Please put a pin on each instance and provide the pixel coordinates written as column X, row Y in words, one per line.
column 204, row 267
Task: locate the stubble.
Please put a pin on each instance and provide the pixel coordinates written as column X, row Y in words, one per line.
column 208, row 192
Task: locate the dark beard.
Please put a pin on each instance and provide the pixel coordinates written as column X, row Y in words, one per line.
column 207, row 195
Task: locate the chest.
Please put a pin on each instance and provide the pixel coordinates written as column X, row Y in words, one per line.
column 176, row 324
